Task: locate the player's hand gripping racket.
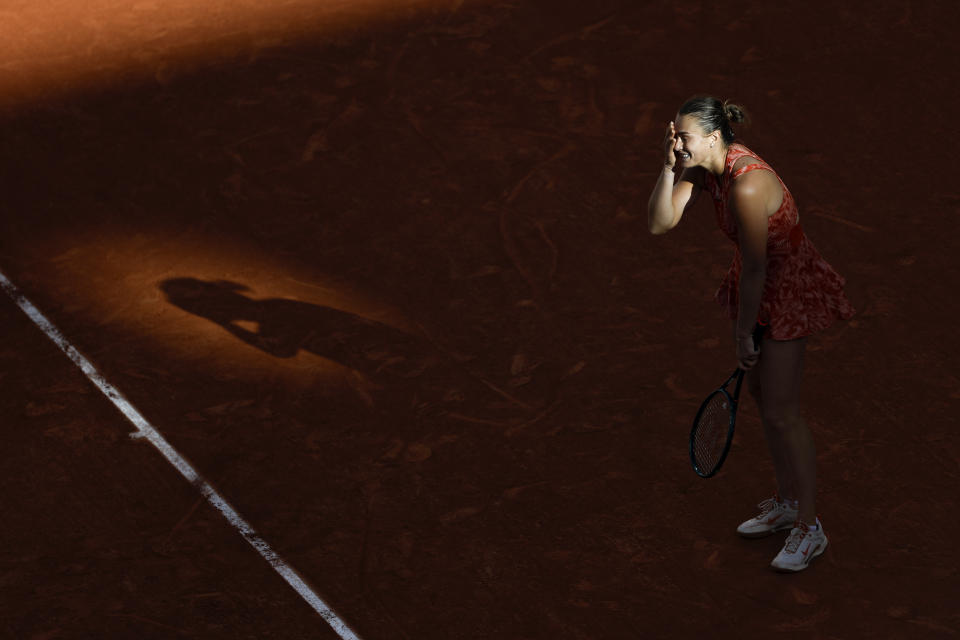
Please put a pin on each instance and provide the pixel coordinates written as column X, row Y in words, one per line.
column 712, row 431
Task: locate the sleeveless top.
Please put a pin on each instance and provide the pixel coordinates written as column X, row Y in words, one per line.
column 802, row 293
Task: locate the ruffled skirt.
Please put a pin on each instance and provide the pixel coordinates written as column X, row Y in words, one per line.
column 802, row 293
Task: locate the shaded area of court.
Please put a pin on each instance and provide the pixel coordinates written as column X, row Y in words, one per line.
column 391, row 290
column 101, row 537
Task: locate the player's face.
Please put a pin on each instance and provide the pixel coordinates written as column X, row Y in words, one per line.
column 692, row 148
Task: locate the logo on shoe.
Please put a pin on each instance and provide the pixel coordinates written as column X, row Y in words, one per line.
column 807, row 550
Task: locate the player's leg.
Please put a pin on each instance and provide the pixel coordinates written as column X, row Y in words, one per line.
column 781, row 367
column 780, row 370
column 775, row 515
column 786, row 487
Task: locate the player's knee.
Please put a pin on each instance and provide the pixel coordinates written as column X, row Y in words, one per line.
column 782, row 418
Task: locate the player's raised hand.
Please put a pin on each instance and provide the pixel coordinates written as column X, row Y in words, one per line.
column 669, row 143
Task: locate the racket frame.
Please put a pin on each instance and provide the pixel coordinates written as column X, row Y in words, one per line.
column 732, row 402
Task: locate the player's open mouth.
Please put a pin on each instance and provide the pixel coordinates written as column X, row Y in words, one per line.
column 682, row 155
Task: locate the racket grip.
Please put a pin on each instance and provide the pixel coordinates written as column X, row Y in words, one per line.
column 758, row 331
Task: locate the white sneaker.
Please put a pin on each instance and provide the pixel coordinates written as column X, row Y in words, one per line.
column 801, row 547
column 775, row 515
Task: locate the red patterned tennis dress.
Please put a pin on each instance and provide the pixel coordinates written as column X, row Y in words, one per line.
column 802, row 293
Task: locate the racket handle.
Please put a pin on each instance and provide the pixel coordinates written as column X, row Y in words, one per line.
column 758, row 331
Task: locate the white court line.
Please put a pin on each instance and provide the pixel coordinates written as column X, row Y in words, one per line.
column 146, row 430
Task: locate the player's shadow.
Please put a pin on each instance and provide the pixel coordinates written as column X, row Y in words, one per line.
column 283, row 328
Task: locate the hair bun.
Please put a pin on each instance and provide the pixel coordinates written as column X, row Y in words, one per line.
column 733, row 112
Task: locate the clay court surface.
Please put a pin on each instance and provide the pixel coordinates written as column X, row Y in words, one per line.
column 381, row 272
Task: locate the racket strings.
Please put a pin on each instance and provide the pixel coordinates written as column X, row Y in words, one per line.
column 710, row 438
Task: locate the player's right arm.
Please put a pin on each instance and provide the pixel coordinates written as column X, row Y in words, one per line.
column 669, row 201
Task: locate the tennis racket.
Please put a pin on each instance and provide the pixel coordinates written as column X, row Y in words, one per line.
column 712, row 432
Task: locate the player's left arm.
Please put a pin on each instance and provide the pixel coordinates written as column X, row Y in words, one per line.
column 748, row 204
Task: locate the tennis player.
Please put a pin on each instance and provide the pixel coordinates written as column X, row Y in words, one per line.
column 777, row 276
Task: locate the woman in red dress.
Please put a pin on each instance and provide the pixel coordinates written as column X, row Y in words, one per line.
column 777, row 276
